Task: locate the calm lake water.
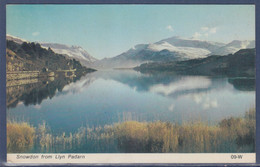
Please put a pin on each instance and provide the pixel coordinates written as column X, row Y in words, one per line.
column 107, row 97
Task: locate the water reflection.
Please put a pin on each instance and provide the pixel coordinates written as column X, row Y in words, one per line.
column 104, row 98
column 182, row 86
column 173, row 85
column 34, row 91
column 243, row 84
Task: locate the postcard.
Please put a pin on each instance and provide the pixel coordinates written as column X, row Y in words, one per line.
column 130, row 83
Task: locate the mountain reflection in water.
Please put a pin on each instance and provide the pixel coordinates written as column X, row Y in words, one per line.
column 34, row 91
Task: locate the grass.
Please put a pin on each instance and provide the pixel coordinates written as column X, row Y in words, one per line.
column 229, row 135
column 20, row 137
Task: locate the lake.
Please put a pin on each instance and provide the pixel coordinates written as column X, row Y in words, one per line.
column 104, row 98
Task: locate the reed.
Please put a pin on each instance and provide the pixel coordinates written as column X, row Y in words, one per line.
column 20, row 137
column 229, row 135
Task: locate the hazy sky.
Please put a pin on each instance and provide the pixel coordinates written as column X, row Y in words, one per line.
column 108, row 30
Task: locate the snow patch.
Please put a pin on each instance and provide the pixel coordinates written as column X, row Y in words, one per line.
column 76, row 52
column 188, row 51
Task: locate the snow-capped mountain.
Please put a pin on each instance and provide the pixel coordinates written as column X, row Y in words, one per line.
column 193, row 43
column 75, row 52
column 169, row 49
column 233, row 47
column 188, row 52
column 174, row 48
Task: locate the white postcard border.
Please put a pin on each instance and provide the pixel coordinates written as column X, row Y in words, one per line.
column 118, row 158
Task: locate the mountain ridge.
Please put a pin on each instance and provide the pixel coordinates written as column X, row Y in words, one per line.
column 71, row 52
column 169, row 49
column 172, row 49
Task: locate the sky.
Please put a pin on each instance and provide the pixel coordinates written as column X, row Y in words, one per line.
column 109, row 30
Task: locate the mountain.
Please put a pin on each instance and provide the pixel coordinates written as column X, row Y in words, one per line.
column 15, row 39
column 241, row 63
column 32, row 57
column 75, row 52
column 72, row 52
column 171, row 49
column 192, row 43
column 233, row 47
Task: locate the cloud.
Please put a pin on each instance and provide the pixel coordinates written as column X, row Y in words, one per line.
column 196, row 35
column 208, row 30
column 213, row 30
column 35, row 33
column 204, row 28
column 169, row 27
column 205, row 32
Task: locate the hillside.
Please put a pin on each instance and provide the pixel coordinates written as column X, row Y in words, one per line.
column 32, row 57
column 71, row 52
column 241, row 63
